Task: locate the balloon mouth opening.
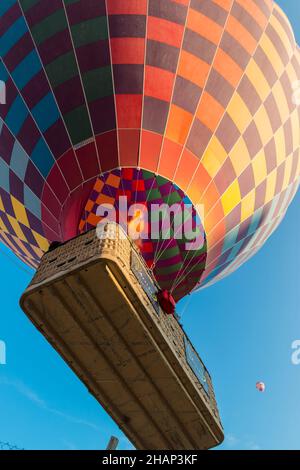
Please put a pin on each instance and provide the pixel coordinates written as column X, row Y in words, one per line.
column 159, row 218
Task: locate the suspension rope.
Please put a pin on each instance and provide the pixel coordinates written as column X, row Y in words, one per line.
column 184, row 270
column 159, row 251
column 186, row 305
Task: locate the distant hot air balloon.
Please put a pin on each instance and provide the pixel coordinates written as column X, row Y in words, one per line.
column 168, row 101
column 260, row 386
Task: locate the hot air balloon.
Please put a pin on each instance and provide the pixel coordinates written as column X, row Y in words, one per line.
column 260, row 386
column 164, row 102
column 160, row 100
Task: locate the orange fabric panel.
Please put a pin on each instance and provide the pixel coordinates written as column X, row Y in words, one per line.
column 182, row 2
column 210, row 196
column 228, row 68
column 187, row 167
column 179, row 124
column 237, row 30
column 158, row 83
column 209, row 111
column 254, row 11
column 150, row 150
column 213, row 219
column 164, row 31
column 169, row 158
column 203, row 25
column 192, row 68
column 225, row 4
column 200, row 181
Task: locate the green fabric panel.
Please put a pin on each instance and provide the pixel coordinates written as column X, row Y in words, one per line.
column 49, row 26
column 69, row 2
column 169, row 253
column 90, row 31
column 147, row 174
column 160, row 180
column 26, row 4
column 98, row 83
column 170, row 269
column 62, row 69
column 78, row 124
column 172, row 198
column 154, row 194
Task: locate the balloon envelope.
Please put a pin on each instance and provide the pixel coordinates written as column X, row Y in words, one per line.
column 260, row 386
column 158, row 100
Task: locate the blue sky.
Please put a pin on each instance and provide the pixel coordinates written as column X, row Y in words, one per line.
column 243, row 328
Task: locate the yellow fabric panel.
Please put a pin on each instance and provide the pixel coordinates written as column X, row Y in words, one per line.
column 231, row 198
column 2, row 226
column 281, row 101
column 248, row 206
column 272, row 54
column 284, row 17
column 291, row 73
column 239, row 156
column 214, row 157
column 15, row 225
column 259, row 168
column 39, row 251
column 279, row 138
column 258, row 79
column 23, row 253
column 281, row 33
column 239, row 112
column 22, row 247
column 263, row 125
column 20, row 211
column 41, row 241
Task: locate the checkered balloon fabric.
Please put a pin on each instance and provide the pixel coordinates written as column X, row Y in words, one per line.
column 196, row 96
